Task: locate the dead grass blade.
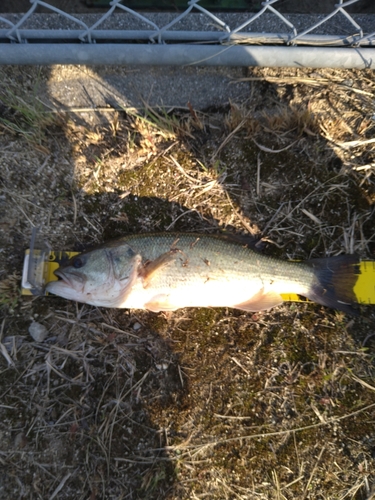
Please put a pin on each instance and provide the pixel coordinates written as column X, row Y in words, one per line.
column 306, row 490
column 354, row 144
column 268, row 150
column 229, row 137
column 202, row 447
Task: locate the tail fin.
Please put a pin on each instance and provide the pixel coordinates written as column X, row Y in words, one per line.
column 335, row 278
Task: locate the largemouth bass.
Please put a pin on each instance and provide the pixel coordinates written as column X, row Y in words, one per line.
column 164, row 272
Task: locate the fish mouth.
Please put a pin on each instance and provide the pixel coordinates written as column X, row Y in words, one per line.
column 62, row 277
column 68, row 279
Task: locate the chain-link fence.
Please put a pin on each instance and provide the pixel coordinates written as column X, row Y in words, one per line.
column 196, row 36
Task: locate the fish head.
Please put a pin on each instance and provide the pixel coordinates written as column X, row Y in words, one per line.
column 101, row 277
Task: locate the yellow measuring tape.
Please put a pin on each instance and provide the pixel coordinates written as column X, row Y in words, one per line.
column 364, row 289
column 45, row 271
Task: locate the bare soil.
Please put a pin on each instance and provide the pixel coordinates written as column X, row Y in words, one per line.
column 200, row 403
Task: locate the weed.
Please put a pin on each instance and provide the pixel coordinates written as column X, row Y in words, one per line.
column 24, row 113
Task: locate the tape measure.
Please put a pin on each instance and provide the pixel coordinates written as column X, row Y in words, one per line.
column 39, row 267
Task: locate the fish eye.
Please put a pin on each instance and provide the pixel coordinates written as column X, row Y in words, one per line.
column 78, row 262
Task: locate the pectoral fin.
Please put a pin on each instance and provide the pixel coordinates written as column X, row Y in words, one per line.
column 260, row 302
column 150, row 269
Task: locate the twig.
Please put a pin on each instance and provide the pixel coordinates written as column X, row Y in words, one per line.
column 3, row 349
column 259, row 163
column 179, row 217
column 60, row 486
column 75, row 209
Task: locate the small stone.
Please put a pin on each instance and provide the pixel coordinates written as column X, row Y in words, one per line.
column 38, row 331
column 161, row 366
column 137, row 326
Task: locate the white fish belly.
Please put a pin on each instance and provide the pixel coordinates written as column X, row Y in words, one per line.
column 204, row 293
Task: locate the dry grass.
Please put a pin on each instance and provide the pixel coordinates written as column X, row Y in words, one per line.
column 199, row 403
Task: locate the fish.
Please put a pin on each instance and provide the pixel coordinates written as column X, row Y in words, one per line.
column 168, row 271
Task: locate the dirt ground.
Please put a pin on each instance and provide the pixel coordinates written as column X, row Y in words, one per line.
column 199, row 403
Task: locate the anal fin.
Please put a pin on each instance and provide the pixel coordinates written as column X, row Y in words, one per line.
column 260, row 301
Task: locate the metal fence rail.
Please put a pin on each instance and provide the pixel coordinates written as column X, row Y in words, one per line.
column 195, row 37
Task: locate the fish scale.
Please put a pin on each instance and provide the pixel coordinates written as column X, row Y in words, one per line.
column 216, row 257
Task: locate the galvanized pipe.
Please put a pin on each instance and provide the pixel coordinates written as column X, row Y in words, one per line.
column 118, row 36
column 187, row 55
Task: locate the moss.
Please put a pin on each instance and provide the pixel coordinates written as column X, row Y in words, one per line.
column 158, row 323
